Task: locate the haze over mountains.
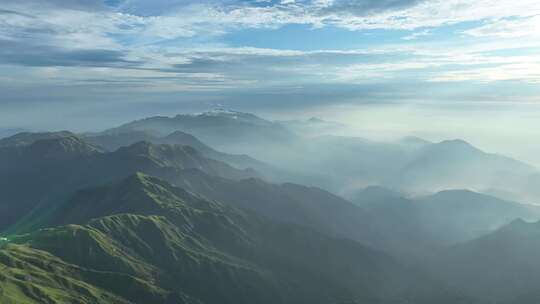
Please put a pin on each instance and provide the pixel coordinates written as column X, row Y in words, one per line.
column 345, row 164
column 227, row 207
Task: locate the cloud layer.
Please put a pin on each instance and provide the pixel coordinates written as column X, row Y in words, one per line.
column 124, row 46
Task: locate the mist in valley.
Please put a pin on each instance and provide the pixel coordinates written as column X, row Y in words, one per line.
column 269, row 152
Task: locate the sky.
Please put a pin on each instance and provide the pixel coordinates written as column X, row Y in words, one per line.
column 436, row 68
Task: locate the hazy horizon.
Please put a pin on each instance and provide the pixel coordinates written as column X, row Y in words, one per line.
column 501, row 128
column 435, row 69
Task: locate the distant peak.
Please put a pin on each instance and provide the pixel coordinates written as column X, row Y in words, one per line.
column 459, row 193
column 61, row 147
column 222, row 111
column 180, row 136
column 456, row 142
column 315, row 120
column 454, row 191
column 157, row 151
column 415, row 140
column 28, row 138
column 455, row 146
column 179, row 133
column 521, row 226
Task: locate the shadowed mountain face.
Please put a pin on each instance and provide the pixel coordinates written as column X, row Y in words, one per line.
column 73, row 164
column 182, row 166
column 501, row 266
column 114, row 141
column 445, row 218
column 171, row 246
column 54, row 168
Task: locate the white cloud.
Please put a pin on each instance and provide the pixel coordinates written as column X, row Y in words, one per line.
column 154, row 44
column 508, row 28
column 417, row 35
column 522, row 72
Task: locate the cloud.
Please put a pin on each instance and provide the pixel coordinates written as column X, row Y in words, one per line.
column 364, row 7
column 19, row 53
column 417, row 34
column 179, row 45
column 59, row 4
column 508, row 28
column 528, row 72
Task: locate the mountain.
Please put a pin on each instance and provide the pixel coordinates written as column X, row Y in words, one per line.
column 34, row 276
column 407, row 230
column 445, row 218
column 228, row 131
column 143, row 240
column 52, row 180
column 180, row 165
column 292, row 203
column 415, row 167
column 456, row 164
column 43, row 173
column 318, row 209
column 461, row 215
column 313, row 126
column 28, row 138
column 343, row 164
column 6, row 132
column 112, row 142
column 501, row 267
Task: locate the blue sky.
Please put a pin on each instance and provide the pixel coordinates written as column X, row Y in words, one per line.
column 78, row 63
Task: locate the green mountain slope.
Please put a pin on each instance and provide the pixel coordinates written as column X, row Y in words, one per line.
column 30, row 276
column 45, row 172
column 181, row 247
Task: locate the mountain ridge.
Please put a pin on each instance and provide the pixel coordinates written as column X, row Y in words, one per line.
column 254, row 259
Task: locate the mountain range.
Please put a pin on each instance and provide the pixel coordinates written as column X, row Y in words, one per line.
column 343, row 164
column 144, row 240
column 148, row 213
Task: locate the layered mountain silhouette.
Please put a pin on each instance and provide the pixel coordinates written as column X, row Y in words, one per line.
column 230, row 131
column 344, row 164
column 54, row 168
column 456, row 164
column 442, row 219
column 148, row 213
column 143, row 240
column 112, row 142
column 499, row 267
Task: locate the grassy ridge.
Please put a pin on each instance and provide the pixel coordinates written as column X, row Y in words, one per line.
column 145, row 241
